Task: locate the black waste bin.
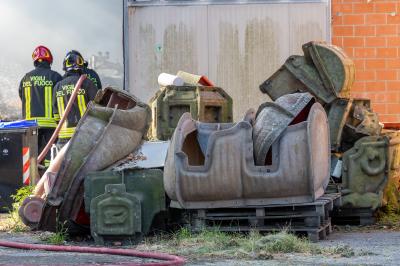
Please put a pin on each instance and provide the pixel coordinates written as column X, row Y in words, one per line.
column 18, row 162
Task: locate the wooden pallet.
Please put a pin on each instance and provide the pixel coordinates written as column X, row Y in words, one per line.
column 333, row 188
column 353, row 216
column 311, row 219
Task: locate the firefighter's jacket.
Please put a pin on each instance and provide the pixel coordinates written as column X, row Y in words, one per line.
column 36, row 91
column 63, row 91
column 93, row 76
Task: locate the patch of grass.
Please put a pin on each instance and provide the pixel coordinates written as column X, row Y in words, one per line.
column 57, row 238
column 13, row 222
column 210, row 244
column 389, row 216
column 367, row 253
column 205, row 243
column 283, row 242
column 390, row 219
column 344, row 251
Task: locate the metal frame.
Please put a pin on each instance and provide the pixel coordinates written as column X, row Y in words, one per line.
column 329, row 21
column 215, row 2
column 125, row 44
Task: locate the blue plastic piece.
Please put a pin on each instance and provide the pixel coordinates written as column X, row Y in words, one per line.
column 18, row 124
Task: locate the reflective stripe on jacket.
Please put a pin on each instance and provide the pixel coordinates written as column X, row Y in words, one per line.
column 36, row 91
column 63, row 92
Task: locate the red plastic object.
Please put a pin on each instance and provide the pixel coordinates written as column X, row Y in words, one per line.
column 395, row 126
column 206, row 82
column 82, row 218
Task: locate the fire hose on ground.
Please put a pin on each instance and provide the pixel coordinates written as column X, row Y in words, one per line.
column 167, row 259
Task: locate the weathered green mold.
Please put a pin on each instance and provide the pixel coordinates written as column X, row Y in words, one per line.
column 111, row 128
column 207, row 104
column 115, row 213
column 365, row 173
column 350, row 120
column 123, row 204
column 324, row 71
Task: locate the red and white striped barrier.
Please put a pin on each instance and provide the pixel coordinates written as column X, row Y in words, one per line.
column 26, row 162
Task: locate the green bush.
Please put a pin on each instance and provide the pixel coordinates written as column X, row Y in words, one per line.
column 14, row 223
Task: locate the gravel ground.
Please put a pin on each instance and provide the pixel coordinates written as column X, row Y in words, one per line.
column 371, row 248
column 10, row 256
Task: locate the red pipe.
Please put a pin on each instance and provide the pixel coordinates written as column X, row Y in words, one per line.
column 205, row 81
column 395, row 126
column 71, row 101
column 167, row 259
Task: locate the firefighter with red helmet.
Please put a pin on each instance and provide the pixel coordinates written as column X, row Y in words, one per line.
column 36, row 91
column 73, row 65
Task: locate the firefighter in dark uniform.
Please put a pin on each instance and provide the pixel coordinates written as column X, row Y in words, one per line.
column 91, row 74
column 73, row 66
column 36, row 91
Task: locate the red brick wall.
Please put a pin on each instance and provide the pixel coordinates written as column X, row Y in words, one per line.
column 369, row 32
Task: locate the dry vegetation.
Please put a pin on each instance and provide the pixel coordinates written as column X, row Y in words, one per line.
column 216, row 244
column 12, row 222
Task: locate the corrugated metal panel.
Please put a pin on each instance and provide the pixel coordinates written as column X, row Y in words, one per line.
column 214, row 2
column 243, row 53
column 165, row 39
column 306, row 26
column 236, row 45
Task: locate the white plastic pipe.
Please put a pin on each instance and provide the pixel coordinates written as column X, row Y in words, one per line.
column 165, row 79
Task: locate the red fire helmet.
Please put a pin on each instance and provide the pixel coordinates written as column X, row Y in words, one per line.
column 42, row 53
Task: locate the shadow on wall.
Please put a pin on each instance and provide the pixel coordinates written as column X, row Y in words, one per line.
column 247, row 66
column 177, row 51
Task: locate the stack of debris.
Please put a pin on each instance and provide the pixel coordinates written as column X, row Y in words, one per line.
column 112, row 127
column 360, row 151
column 238, row 174
column 128, row 199
column 268, row 171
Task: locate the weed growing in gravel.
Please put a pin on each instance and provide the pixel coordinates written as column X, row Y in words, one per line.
column 235, row 245
column 344, row 251
column 389, row 216
column 13, row 223
column 283, row 242
column 57, row 238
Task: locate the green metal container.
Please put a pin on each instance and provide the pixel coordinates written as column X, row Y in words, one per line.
column 122, row 205
column 206, row 104
column 365, row 173
column 325, row 71
column 115, row 213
